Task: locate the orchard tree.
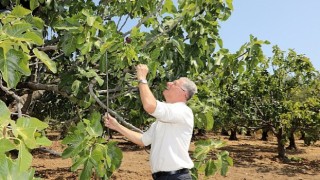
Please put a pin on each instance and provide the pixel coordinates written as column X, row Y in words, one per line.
column 235, row 86
column 304, row 111
column 85, row 53
column 274, row 107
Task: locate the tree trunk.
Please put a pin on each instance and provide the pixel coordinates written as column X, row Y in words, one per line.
column 224, row 132
column 292, row 141
column 281, row 145
column 248, row 133
column 303, row 135
column 233, row 135
column 264, row 136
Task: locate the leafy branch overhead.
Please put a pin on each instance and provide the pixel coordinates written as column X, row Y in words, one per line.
column 63, row 44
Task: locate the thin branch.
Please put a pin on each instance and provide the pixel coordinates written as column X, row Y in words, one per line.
column 50, row 151
column 11, row 93
column 255, row 103
column 58, row 56
column 117, row 89
column 47, row 87
column 118, row 22
column 124, row 23
column 118, row 117
column 122, row 94
column 48, row 48
column 242, row 54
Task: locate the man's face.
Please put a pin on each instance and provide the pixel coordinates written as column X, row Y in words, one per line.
column 174, row 91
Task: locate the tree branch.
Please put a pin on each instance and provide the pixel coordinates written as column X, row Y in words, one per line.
column 124, row 23
column 48, row 48
column 118, row 117
column 11, row 93
column 255, row 103
column 47, row 87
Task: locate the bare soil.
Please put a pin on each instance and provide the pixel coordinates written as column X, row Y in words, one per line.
column 253, row 159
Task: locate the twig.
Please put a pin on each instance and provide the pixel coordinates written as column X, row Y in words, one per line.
column 124, row 23
column 50, row 151
column 118, row 117
column 11, row 93
column 118, row 22
column 48, row 48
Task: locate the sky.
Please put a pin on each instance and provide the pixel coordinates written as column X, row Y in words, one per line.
column 290, row 24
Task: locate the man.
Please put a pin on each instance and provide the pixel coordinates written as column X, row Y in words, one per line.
column 170, row 135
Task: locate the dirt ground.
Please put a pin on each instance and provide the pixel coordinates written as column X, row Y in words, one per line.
column 253, row 159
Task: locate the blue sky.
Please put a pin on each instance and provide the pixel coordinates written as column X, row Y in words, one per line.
column 293, row 24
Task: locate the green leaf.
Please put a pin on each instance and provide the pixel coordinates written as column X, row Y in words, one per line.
column 115, row 155
column 77, row 144
column 168, row 7
column 220, row 42
column 31, row 123
column 98, row 151
column 85, row 48
column 95, row 128
column 27, row 135
column 33, row 37
column 209, row 120
column 43, row 141
column 4, row 112
column 211, row 168
column 26, row 128
column 46, row 60
column 87, row 170
column 5, row 163
column 75, row 87
column 34, row 4
column 24, row 158
column 6, row 145
column 80, row 161
column 90, row 19
column 17, row 30
column 12, row 65
column 229, row 3
column 10, row 170
column 225, row 161
column 20, row 11
column 179, row 45
column 68, row 44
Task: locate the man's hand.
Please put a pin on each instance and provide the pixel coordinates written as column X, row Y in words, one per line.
column 142, row 71
column 110, row 122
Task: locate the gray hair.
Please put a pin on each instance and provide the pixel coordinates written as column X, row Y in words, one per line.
column 189, row 86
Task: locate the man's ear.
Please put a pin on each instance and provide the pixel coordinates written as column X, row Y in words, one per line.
column 186, row 95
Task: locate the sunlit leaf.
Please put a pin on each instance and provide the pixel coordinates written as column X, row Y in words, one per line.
column 4, row 112
column 6, row 145
column 46, row 60
column 24, row 158
column 20, row 11
column 12, row 65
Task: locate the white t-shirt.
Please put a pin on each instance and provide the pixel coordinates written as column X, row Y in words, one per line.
column 170, row 137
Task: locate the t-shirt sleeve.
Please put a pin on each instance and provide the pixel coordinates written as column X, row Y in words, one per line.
column 147, row 136
column 170, row 113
